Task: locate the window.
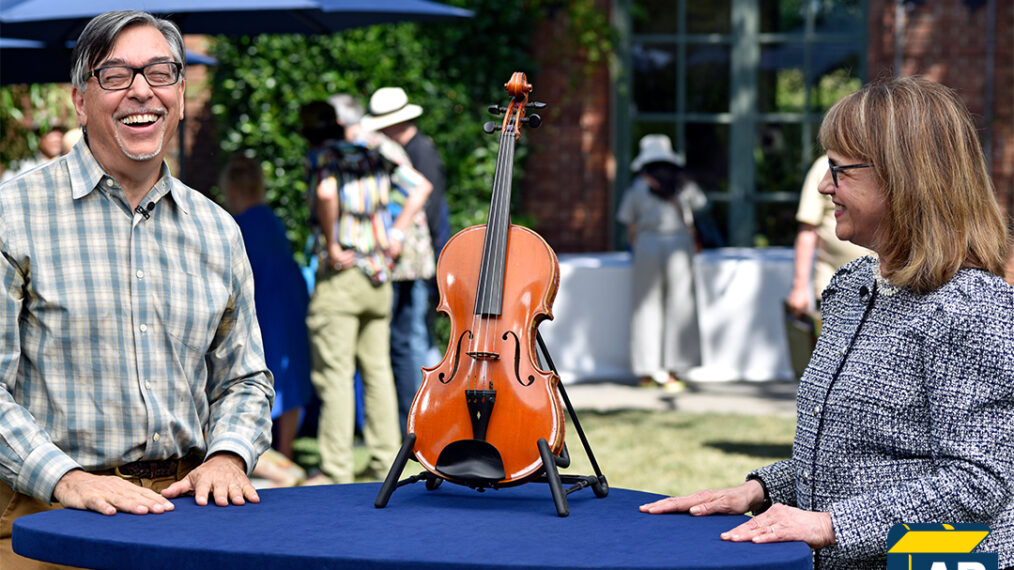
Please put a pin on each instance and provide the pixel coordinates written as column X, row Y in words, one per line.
column 740, row 86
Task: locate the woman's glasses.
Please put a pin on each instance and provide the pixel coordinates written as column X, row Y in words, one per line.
column 836, row 169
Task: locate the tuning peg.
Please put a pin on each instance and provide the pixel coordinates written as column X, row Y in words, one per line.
column 490, row 127
column 533, row 120
column 497, row 109
column 536, row 105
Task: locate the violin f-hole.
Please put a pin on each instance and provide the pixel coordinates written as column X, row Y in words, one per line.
column 457, row 357
column 517, row 360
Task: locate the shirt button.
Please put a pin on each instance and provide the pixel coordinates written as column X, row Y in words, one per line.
column 140, row 274
column 144, row 328
column 155, row 437
column 109, row 182
column 147, row 385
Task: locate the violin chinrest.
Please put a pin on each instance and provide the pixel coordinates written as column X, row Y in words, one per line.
column 472, row 462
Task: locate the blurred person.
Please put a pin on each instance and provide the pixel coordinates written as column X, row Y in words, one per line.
column 818, row 251
column 904, row 413
column 349, row 189
column 658, row 212
column 131, row 368
column 281, row 299
column 71, row 138
column 414, row 266
column 50, row 147
column 392, row 114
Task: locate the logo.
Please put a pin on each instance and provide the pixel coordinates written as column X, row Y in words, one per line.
column 938, row 547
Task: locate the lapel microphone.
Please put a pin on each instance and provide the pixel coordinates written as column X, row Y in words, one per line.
column 145, row 212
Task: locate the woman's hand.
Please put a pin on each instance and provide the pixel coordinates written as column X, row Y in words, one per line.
column 339, row 258
column 782, row 523
column 731, row 501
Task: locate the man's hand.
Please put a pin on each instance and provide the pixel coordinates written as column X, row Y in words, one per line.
column 731, row 501
column 107, row 494
column 394, row 249
column 222, row 476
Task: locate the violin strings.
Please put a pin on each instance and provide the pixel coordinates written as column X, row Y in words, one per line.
column 494, row 249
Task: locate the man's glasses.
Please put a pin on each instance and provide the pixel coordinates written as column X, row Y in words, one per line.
column 158, row 74
column 836, row 169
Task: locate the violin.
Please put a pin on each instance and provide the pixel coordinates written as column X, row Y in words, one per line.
column 480, row 414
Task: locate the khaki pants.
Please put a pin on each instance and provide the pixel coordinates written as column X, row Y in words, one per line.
column 14, row 505
column 349, row 322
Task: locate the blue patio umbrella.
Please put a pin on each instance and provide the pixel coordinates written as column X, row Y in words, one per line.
column 56, row 22
column 33, row 61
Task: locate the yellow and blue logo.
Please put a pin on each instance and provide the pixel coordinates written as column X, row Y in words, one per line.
column 934, row 546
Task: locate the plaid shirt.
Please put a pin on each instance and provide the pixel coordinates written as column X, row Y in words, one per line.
column 123, row 336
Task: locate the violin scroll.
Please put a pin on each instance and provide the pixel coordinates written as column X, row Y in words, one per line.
column 515, row 113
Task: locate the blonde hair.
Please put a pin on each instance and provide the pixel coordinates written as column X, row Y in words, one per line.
column 942, row 211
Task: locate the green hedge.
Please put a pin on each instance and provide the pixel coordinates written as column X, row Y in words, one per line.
column 453, row 70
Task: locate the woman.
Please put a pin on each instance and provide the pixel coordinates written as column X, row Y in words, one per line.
column 905, row 411
column 281, row 300
column 658, row 211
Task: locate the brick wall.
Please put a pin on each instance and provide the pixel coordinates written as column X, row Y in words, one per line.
column 946, row 41
column 568, row 173
column 200, row 164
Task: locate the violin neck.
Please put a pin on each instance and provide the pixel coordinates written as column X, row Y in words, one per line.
column 489, row 300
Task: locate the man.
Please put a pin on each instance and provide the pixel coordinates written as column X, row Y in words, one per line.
column 131, row 367
column 815, row 215
column 411, row 341
column 818, row 255
column 392, row 114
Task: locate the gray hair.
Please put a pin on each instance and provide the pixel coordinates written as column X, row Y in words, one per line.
column 98, row 37
column 348, row 110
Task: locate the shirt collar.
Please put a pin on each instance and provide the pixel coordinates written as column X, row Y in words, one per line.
column 86, row 174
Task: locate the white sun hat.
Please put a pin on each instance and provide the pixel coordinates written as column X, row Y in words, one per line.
column 656, row 148
column 389, row 106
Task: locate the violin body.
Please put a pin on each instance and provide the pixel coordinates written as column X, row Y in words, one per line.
column 527, row 404
column 487, row 415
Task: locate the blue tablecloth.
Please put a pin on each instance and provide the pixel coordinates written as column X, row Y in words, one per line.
column 450, row 527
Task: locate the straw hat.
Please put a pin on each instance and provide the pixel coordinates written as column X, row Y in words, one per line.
column 656, row 148
column 389, row 106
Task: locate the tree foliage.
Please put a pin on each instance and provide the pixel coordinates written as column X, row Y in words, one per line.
column 453, row 70
column 27, row 112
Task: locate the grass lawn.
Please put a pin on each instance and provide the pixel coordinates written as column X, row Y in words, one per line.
column 661, row 452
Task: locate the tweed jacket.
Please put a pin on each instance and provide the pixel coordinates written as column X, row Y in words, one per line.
column 905, row 414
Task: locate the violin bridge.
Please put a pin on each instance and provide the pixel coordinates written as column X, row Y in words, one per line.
column 482, row 355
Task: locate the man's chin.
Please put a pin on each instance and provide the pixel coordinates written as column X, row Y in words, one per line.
column 141, row 155
column 139, row 152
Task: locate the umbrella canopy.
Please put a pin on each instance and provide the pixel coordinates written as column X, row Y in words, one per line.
column 59, row 21
column 32, row 61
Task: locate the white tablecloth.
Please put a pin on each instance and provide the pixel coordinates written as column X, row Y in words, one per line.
column 739, row 295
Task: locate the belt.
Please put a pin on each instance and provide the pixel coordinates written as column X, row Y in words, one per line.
column 152, row 469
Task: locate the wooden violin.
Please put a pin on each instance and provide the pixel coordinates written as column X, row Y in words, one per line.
column 479, row 414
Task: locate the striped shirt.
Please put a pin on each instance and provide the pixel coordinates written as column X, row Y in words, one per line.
column 125, row 336
column 363, row 180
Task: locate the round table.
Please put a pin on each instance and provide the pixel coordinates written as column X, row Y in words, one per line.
column 337, row 526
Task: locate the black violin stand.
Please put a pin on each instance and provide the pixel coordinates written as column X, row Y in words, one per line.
column 551, row 464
